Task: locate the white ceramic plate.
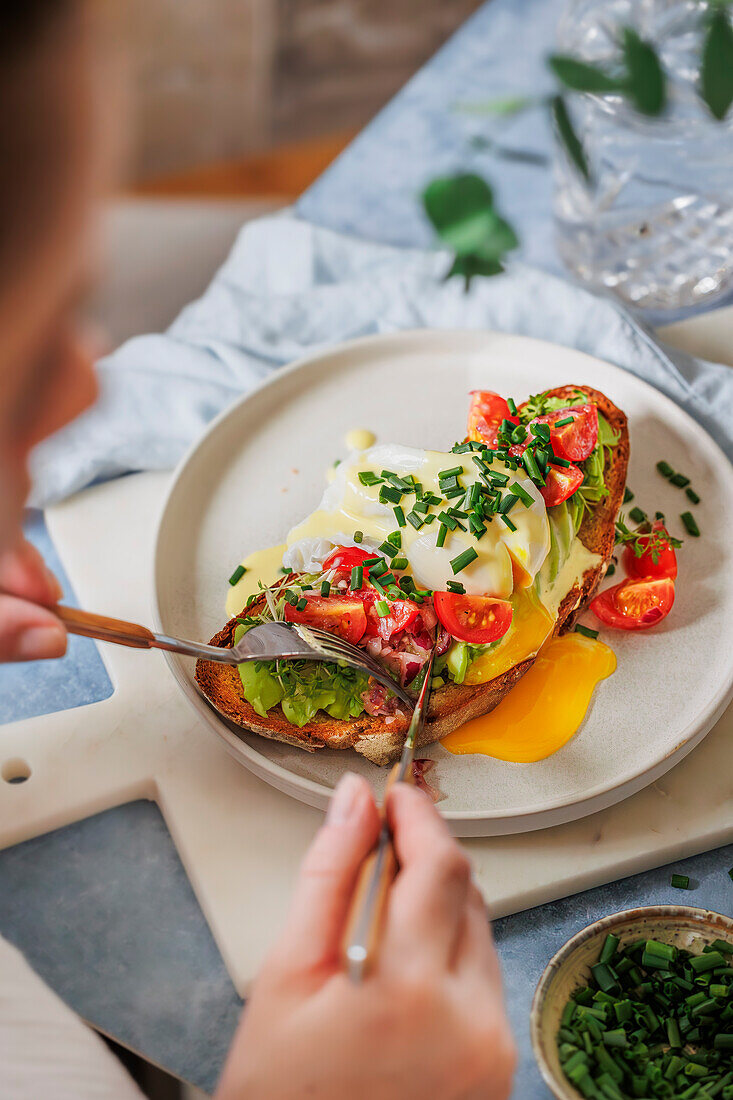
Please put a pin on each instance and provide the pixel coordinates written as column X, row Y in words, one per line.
column 260, row 467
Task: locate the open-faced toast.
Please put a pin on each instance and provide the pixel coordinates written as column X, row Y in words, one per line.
column 380, row 739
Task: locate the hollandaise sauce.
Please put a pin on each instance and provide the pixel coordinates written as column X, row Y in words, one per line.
column 261, row 566
column 545, row 709
column 359, row 439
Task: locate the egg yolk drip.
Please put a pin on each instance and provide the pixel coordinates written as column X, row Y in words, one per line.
column 545, row 709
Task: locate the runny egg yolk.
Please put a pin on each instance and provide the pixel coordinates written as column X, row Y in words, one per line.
column 545, row 708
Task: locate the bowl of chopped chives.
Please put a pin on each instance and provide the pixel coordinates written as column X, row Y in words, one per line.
column 639, row 1005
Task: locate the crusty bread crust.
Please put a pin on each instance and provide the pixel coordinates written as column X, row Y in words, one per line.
column 379, row 739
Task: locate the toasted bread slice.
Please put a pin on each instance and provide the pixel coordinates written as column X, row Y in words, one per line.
column 379, row 739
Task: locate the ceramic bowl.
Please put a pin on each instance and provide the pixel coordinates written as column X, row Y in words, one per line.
column 570, row 967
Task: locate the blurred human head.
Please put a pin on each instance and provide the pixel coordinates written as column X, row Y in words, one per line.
column 51, row 171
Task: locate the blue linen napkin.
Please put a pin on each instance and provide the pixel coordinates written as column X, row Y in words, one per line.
column 289, row 288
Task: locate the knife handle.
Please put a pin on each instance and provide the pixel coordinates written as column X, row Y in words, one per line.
column 366, row 912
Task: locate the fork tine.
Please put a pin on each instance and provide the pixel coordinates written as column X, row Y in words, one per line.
column 345, row 651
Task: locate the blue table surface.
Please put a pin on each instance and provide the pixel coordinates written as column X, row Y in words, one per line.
column 103, row 909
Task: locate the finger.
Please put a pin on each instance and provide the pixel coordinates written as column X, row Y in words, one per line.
column 312, row 937
column 29, row 632
column 427, row 905
column 24, row 573
column 476, row 954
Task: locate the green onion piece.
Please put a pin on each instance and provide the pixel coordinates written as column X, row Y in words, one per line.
column 301, row 605
column 723, row 946
column 692, row 495
column 431, row 518
column 382, row 608
column 702, row 963
column 399, row 563
column 358, row 536
column 237, row 574
column 455, row 586
column 638, row 515
column 378, row 568
column 679, row 480
column 659, row 950
column 388, row 549
column 610, row 946
column 519, row 491
column 530, row 466
column 442, row 532
column 665, row 469
column 415, row 519
column 395, row 537
column 512, row 526
column 368, row 477
column 448, row 520
column 357, row 577
column 565, row 420
column 680, row 882
column 628, row 495
column 460, row 448
column 389, row 495
column 508, row 503
column 585, row 630
column 325, row 588
column 690, row 524
column 455, row 471
column 464, row 559
column 560, row 462
column 511, row 406
column 399, row 515
column 611, row 570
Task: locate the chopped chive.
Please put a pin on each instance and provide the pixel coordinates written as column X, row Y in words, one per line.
column 237, row 574
column 519, row 434
column 460, row 448
column 560, row 462
column 690, row 524
column 464, row 559
column 442, row 532
column 399, row 563
column 638, row 515
column 679, row 480
column 528, row 461
column 382, row 608
column 415, row 519
column 455, row 586
column 508, row 503
column 325, row 588
column 395, row 537
column 431, row 518
column 448, row 520
column 665, row 469
column 541, row 431
column 399, row 515
column 421, row 506
column 389, row 495
column 511, row 406
column 455, row 471
column 628, row 495
column 586, row 630
column 451, row 494
column 680, row 882
column 301, row 605
column 378, row 568
column 357, row 577
column 565, row 420
column 358, row 536
column 368, row 477
column 512, row 526
column 692, row 495
column 519, row 491
column 498, row 479
column 611, row 570
column 388, row 549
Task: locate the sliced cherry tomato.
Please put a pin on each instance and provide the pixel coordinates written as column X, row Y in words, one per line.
column 402, row 614
column 485, row 414
column 344, row 558
column 560, row 484
column 573, row 441
column 645, row 565
column 635, row 604
column 342, row 615
column 476, row 619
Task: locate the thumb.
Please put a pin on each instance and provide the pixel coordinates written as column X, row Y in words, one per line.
column 312, row 936
column 28, row 632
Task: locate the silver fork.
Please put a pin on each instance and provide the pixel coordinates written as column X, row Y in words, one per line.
column 268, row 642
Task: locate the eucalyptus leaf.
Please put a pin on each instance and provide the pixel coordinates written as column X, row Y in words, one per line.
column 716, row 75
column 461, row 210
column 646, row 84
column 581, row 77
column 568, row 137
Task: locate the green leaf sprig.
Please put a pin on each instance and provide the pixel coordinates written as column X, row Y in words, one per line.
column 461, row 210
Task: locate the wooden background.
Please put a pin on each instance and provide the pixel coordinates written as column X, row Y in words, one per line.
column 216, row 79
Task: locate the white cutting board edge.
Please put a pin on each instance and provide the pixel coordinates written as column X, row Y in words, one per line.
column 239, row 839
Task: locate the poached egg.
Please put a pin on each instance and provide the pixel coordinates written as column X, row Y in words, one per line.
column 350, row 508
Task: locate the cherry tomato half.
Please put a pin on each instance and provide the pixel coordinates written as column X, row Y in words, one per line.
column 645, row 565
column 485, row 414
column 573, row 441
column 635, row 604
column 475, row 619
column 344, row 558
column 402, row 614
column 560, row 484
column 342, row 615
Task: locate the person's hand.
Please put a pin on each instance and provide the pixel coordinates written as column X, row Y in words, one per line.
column 28, row 632
column 428, row 1021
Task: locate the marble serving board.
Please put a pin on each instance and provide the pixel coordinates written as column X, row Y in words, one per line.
column 241, row 840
